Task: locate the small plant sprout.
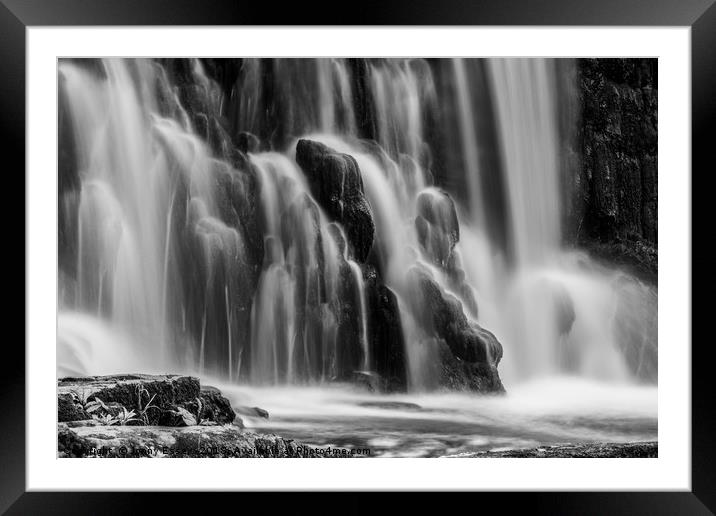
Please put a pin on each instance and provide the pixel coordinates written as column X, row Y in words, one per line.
column 144, row 411
column 81, row 396
column 105, row 419
column 126, row 416
column 198, row 410
column 95, row 405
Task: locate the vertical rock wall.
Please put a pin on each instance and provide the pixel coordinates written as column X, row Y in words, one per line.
column 612, row 181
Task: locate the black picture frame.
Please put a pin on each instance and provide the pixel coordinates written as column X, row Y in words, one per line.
column 17, row 15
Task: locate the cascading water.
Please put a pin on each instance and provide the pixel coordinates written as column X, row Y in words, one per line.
column 558, row 315
column 188, row 254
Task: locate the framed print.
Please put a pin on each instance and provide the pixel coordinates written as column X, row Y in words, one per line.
column 447, row 248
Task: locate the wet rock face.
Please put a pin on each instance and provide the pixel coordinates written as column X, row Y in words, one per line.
column 616, row 184
column 214, row 406
column 437, row 225
column 466, row 354
column 335, row 181
column 438, row 231
column 455, row 374
column 345, row 309
column 349, row 351
column 386, row 339
column 248, row 142
column 467, row 340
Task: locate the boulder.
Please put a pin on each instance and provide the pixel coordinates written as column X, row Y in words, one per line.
column 455, row 374
column 438, row 231
column 69, row 408
column 437, row 225
column 155, row 400
column 335, row 182
column 253, row 412
column 215, row 406
column 391, row 405
column 467, row 340
column 248, row 142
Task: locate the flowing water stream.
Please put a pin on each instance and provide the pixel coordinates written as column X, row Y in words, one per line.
column 181, row 262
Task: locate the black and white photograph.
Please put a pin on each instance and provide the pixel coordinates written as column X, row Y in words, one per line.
column 357, row 257
column 417, row 247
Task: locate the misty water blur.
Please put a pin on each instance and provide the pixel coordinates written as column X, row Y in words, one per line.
column 147, row 176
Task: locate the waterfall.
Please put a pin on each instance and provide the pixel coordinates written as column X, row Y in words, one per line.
column 203, row 246
column 547, row 284
column 527, row 127
column 469, row 141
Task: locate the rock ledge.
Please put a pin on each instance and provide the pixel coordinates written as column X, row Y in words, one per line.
column 139, row 415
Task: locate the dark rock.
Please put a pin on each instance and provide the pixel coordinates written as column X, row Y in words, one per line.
column 223, row 71
column 636, row 257
column 157, row 441
column 215, row 407
column 201, row 98
column 466, row 339
column 261, row 412
column 615, row 186
column 438, row 233
column 585, row 450
column 69, row 408
column 385, row 333
column 364, row 103
column 390, row 405
column 349, row 350
column 346, row 311
column 437, row 225
column 218, row 138
column 456, row 278
column 237, row 197
column 247, row 142
column 253, row 412
column 465, row 354
column 134, row 391
column 455, row 374
column 169, row 400
column 178, row 416
column 367, row 380
column 335, row 181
